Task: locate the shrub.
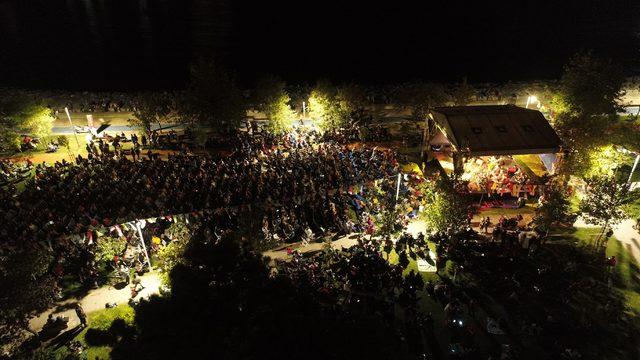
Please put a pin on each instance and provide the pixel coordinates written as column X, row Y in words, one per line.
column 96, row 337
column 63, row 141
column 102, row 320
column 108, row 247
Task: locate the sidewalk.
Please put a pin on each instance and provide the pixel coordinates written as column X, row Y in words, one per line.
column 624, row 232
column 95, row 300
column 281, row 253
column 415, row 226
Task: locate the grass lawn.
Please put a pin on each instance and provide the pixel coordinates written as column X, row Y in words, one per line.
column 627, row 273
column 443, row 334
column 101, row 320
column 486, row 307
column 627, row 270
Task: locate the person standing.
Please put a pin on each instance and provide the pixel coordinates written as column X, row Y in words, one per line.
column 136, row 152
column 486, row 224
column 81, row 315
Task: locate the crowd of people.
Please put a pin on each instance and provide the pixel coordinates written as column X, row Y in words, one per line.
column 296, row 188
column 92, row 102
column 11, row 172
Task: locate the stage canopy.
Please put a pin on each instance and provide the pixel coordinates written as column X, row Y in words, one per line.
column 496, row 130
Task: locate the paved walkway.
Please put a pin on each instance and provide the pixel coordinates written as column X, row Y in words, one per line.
column 414, row 227
column 95, row 300
column 624, row 232
column 281, row 253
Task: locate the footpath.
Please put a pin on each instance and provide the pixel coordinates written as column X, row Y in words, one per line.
column 96, row 300
column 623, row 232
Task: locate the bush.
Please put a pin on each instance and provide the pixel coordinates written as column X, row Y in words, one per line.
column 96, row 337
column 107, row 326
column 172, row 254
column 10, row 143
column 108, row 247
column 63, row 141
column 102, row 320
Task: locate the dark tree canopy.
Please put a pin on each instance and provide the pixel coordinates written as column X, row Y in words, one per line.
column 151, row 108
column 592, row 85
column 226, row 303
column 420, row 97
column 213, row 98
column 28, row 288
column 271, row 97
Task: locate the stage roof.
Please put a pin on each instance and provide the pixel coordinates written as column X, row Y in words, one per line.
column 497, row 130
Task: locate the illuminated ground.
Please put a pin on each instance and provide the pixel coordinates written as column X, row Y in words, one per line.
column 95, row 300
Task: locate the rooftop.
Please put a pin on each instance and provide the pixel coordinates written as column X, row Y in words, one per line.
column 497, row 130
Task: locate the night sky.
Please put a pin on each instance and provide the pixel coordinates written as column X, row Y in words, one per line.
column 148, row 44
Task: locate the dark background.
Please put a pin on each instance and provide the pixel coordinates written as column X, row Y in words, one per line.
column 148, row 44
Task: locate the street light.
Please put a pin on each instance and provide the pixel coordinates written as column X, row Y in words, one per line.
column 633, row 169
column 398, row 186
column 137, row 224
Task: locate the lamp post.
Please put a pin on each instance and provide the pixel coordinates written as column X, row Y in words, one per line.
column 633, row 169
column 398, row 186
column 144, row 247
column 72, row 128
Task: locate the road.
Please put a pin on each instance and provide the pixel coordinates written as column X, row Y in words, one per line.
column 119, row 122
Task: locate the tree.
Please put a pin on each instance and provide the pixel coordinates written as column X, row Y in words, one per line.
column 554, row 208
column 603, row 204
column 592, row 145
column 447, row 208
column 583, row 105
column 389, row 218
column 352, row 101
column 150, row 108
column 324, row 107
column 19, row 114
column 213, row 98
column 591, row 85
column 338, row 304
column 107, row 247
column 420, row 97
column 28, row 288
column 272, row 99
column 462, row 93
column 606, row 161
column 173, row 253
